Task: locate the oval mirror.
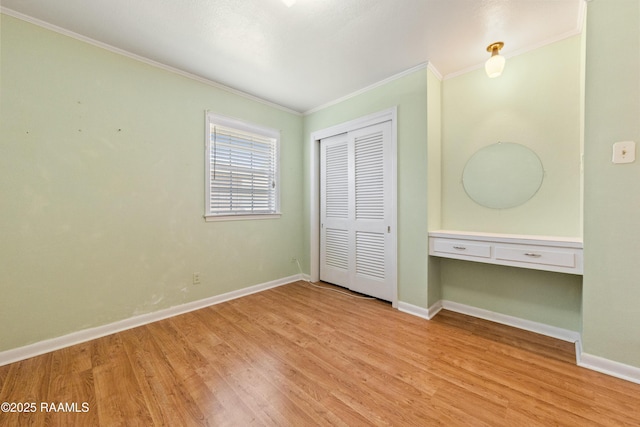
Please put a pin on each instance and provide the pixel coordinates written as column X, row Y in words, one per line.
column 502, row 175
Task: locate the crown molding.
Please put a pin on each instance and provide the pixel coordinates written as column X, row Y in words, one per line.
column 576, row 31
column 139, row 58
column 401, row 74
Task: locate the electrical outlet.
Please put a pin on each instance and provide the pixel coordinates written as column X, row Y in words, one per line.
column 196, row 278
column 624, row 152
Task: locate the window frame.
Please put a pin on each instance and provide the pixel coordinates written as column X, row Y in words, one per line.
column 242, row 126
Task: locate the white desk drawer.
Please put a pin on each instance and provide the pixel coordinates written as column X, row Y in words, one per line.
column 534, row 255
column 557, row 254
column 462, row 247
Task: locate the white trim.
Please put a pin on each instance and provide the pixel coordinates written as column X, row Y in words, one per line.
column 401, row 74
column 582, row 14
column 578, row 351
column 46, row 346
column 610, row 367
column 214, row 218
column 516, row 322
column 267, row 136
column 140, row 58
column 359, row 123
column 314, row 180
column 551, row 40
column 240, row 124
column 520, row 239
column 547, row 253
column 435, row 309
column 425, row 313
column 414, row 310
column 434, row 70
column 584, row 360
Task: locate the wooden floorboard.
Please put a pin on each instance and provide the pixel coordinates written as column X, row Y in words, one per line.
column 297, row 355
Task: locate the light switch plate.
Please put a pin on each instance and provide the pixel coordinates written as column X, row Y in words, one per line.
column 624, row 152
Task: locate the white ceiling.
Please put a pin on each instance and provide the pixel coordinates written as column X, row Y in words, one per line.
column 317, row 50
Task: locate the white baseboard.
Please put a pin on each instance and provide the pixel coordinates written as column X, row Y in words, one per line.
column 585, row 360
column 516, row 322
column 435, row 309
column 425, row 313
column 578, row 351
column 46, row 346
column 609, row 367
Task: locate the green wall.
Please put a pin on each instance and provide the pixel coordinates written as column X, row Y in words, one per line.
column 536, row 103
column 611, row 326
column 102, row 190
column 540, row 296
column 409, row 93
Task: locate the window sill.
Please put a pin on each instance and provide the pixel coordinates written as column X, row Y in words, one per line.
column 215, row 218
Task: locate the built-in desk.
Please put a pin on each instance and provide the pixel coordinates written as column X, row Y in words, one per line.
column 559, row 254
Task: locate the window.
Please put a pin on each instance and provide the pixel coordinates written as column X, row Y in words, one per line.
column 241, row 170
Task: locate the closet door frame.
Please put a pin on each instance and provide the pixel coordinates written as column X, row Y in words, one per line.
column 314, row 202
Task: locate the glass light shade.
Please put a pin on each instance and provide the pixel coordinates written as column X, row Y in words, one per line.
column 494, row 65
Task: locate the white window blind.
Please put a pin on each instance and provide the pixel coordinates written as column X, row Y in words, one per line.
column 242, row 169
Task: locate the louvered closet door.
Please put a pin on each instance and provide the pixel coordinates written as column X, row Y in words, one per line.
column 335, row 210
column 372, row 222
column 356, row 250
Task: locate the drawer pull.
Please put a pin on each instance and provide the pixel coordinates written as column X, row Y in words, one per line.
column 533, row 255
column 460, row 248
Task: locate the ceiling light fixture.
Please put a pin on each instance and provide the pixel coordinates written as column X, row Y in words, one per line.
column 495, row 64
column 289, row 3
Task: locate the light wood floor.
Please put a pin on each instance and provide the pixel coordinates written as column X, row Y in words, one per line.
column 300, row 356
